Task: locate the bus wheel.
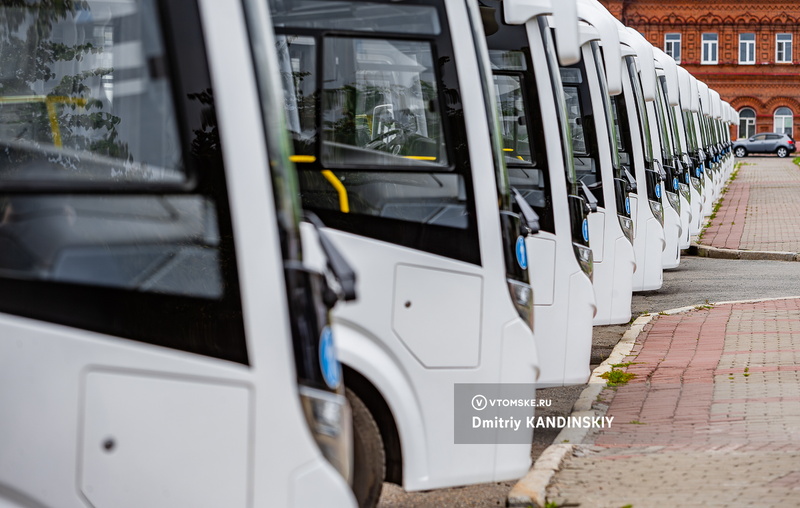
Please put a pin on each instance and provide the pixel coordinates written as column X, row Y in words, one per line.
column 369, row 460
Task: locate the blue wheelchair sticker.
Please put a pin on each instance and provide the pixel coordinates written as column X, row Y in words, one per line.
column 658, row 190
column 628, row 206
column 699, row 171
column 675, row 183
column 522, row 253
column 585, row 230
column 328, row 361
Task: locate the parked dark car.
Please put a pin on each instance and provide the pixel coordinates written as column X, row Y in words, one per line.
column 768, row 142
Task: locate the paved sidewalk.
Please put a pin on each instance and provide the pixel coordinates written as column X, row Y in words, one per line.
column 761, row 210
column 712, row 417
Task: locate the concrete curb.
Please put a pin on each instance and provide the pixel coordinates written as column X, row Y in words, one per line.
column 706, row 251
column 531, row 490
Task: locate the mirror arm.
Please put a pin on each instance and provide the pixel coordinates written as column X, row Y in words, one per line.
column 631, row 181
column 337, row 263
column 529, row 215
column 590, row 199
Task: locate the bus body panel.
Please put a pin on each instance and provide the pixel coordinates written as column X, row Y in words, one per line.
column 101, row 419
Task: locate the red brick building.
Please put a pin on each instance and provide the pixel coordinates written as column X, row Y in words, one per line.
column 749, row 51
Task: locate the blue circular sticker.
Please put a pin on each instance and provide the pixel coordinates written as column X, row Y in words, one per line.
column 585, row 230
column 688, row 178
column 628, row 206
column 328, row 361
column 675, row 183
column 699, row 171
column 658, row 190
column 522, row 253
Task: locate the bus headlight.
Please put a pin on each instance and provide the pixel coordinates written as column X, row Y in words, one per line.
column 585, row 259
column 658, row 210
column 674, row 201
column 697, row 184
column 626, row 223
column 685, row 192
column 522, row 295
column 330, row 421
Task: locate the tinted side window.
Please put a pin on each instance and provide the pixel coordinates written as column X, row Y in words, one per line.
column 376, row 119
column 85, row 97
column 521, row 125
column 113, row 215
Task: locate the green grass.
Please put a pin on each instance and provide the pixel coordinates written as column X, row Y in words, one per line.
column 716, row 208
column 626, row 364
column 616, row 377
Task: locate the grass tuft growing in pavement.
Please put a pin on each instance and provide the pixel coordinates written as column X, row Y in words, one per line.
column 623, row 365
column 617, row 377
column 553, row 504
column 796, row 160
column 716, row 208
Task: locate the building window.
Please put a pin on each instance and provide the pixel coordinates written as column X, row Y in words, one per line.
column 672, row 46
column 783, row 48
column 783, row 121
column 747, row 123
column 709, row 49
column 747, row 49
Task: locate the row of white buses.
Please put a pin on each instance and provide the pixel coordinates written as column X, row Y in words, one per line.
column 250, row 248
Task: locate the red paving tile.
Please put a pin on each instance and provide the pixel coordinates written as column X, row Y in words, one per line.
column 671, row 401
column 759, row 210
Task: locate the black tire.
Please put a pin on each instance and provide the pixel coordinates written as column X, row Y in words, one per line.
column 781, row 152
column 740, row 151
column 369, row 459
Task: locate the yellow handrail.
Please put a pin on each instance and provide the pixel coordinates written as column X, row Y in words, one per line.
column 344, row 202
column 50, row 103
column 302, row 158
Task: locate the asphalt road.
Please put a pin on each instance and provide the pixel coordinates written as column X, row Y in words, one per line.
column 696, row 281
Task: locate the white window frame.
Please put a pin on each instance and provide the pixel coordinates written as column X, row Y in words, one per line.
column 713, row 48
column 749, row 124
column 783, row 46
column 670, row 45
column 748, row 47
column 780, row 128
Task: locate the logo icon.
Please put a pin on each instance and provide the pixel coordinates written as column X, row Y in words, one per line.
column 479, row 403
column 699, row 171
column 522, row 253
column 628, row 206
column 675, row 183
column 328, row 361
column 658, row 190
column 585, row 230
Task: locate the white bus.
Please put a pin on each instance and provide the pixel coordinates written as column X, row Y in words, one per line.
column 395, row 133
column 161, row 341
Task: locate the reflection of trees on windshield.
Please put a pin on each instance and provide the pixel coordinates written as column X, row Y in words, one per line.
column 32, row 61
column 206, row 139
